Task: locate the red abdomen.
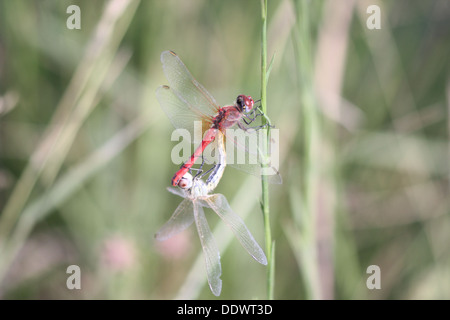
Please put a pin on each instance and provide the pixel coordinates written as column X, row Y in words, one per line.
column 209, row 137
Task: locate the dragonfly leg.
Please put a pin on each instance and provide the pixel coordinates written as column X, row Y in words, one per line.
column 242, row 127
column 199, row 176
column 211, row 171
column 251, row 117
column 215, row 169
column 199, row 170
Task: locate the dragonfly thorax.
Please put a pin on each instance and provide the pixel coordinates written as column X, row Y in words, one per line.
column 226, row 118
column 198, row 189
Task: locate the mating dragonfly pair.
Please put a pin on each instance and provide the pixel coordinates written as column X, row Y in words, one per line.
column 186, row 102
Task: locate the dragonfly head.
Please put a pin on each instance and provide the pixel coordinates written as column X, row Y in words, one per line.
column 186, row 181
column 244, row 103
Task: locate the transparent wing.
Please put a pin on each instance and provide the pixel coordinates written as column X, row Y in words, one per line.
column 243, row 153
column 180, row 114
column 185, row 86
column 273, row 175
column 210, row 250
column 239, row 158
column 220, row 205
column 179, row 221
column 177, row 191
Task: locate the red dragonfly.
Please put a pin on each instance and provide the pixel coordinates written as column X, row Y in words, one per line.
column 186, row 101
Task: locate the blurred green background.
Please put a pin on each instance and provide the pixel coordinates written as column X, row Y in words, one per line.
column 85, row 148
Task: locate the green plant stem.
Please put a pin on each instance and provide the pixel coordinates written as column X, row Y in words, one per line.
column 264, row 182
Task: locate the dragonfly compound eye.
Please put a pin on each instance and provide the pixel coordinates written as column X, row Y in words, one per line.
column 240, row 102
column 186, row 181
column 244, row 103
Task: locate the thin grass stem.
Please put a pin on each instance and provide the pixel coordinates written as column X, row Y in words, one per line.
column 264, row 181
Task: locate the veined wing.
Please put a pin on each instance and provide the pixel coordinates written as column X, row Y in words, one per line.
column 273, row 175
column 180, row 114
column 220, row 205
column 210, row 250
column 177, row 191
column 179, row 221
column 244, row 152
column 238, row 158
column 185, row 86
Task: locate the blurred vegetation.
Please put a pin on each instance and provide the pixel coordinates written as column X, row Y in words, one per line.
column 85, row 148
